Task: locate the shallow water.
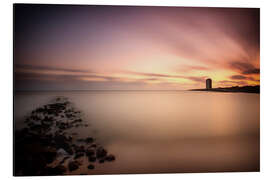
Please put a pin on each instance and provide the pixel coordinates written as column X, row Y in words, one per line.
column 164, row 131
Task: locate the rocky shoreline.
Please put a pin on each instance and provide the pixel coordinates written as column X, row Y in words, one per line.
column 47, row 146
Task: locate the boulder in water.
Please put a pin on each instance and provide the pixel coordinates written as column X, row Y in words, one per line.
column 90, row 166
column 90, row 151
column 92, row 159
column 78, row 155
column 110, row 157
column 73, row 165
column 101, row 152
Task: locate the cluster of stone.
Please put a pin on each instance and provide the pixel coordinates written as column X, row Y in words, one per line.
column 47, row 137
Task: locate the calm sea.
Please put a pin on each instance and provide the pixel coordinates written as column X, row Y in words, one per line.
column 164, row 131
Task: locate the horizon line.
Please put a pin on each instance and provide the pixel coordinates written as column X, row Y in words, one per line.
column 124, row 89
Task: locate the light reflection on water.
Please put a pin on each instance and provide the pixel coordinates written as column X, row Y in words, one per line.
column 165, row 131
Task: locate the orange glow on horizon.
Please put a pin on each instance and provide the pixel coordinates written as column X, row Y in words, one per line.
column 161, row 48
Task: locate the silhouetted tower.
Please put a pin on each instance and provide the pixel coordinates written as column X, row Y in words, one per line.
column 208, row 83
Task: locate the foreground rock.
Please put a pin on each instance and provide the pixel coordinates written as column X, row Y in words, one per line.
column 101, row 152
column 73, row 165
column 110, row 157
column 90, row 166
column 47, row 137
column 58, row 170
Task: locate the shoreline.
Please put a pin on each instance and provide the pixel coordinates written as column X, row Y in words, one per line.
column 234, row 89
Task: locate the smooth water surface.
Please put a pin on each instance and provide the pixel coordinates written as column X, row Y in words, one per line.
column 164, row 131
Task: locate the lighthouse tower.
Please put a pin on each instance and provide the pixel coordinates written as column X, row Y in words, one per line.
column 209, row 83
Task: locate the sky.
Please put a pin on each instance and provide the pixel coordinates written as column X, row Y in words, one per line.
column 72, row 47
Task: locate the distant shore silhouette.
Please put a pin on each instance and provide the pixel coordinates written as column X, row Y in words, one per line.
column 244, row 89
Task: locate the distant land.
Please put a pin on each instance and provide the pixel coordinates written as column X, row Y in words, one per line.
column 244, row 89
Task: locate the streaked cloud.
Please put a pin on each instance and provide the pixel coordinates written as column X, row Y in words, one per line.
column 244, row 67
column 238, row 77
column 117, row 47
column 252, row 71
column 23, row 67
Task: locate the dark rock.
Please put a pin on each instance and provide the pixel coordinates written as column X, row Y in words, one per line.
column 66, row 147
column 79, row 148
column 78, row 155
column 64, row 159
column 77, row 120
column 36, row 127
column 60, row 138
column 52, row 171
column 101, row 161
column 47, row 119
column 90, row 151
column 90, row 166
column 80, row 140
column 60, row 169
column 73, row 165
column 93, row 145
column 92, row 159
column 110, row 157
column 63, row 142
column 63, row 125
column 101, row 152
column 69, row 138
column 49, row 154
column 46, row 141
column 89, row 140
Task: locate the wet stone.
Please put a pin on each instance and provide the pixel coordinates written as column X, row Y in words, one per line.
column 49, row 154
column 64, row 159
column 60, row 169
column 90, row 166
column 93, row 145
column 101, row 152
column 90, row 151
column 78, row 155
column 101, row 161
column 80, row 140
column 69, row 138
column 73, row 165
column 92, row 159
column 89, row 140
column 79, row 148
column 110, row 158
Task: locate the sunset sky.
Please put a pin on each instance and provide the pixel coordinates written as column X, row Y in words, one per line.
column 134, row 48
